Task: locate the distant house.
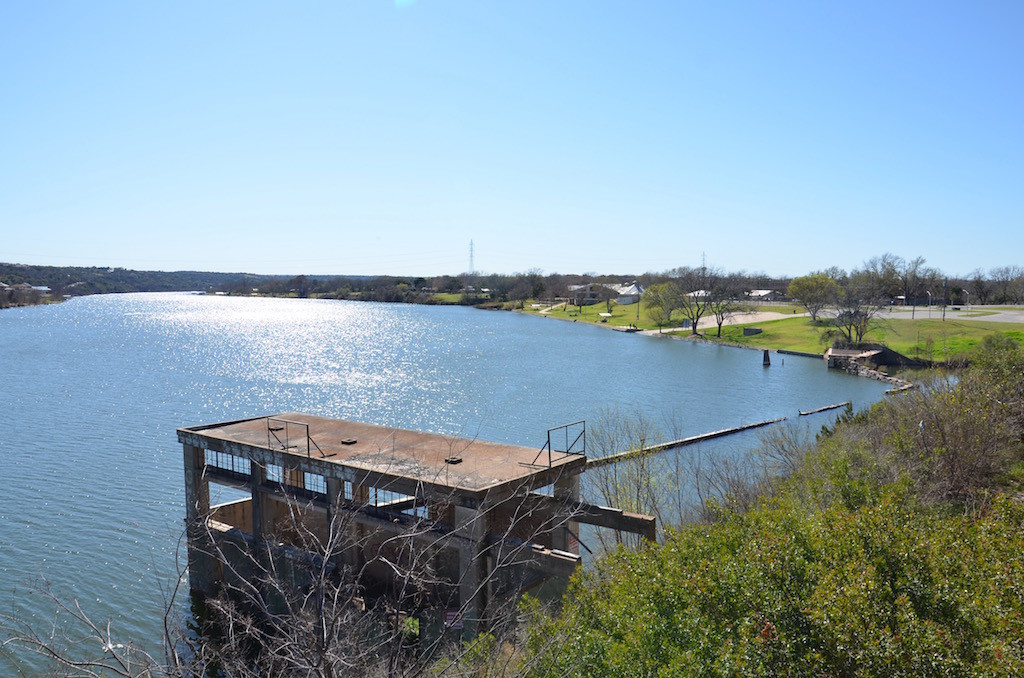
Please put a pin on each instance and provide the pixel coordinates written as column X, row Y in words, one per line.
column 629, row 294
column 583, row 295
column 23, row 293
column 480, row 293
column 761, row 295
column 590, row 293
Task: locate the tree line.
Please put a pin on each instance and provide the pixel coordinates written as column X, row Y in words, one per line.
column 856, row 298
column 853, row 300
column 82, row 280
column 889, row 277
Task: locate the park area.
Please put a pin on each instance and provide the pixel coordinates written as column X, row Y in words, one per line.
column 920, row 333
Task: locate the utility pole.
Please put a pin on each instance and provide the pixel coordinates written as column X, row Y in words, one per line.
column 636, row 286
column 944, row 301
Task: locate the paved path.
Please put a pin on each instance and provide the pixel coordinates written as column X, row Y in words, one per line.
column 981, row 313
column 707, row 323
column 1014, row 315
column 540, row 308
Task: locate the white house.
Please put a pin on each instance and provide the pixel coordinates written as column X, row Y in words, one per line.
column 629, row 294
column 761, row 295
column 626, row 294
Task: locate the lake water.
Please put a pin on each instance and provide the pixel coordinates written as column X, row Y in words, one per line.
column 94, row 389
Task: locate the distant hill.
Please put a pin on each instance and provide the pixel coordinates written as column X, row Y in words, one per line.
column 81, row 280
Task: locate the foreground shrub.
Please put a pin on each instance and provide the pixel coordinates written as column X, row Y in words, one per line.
column 892, row 588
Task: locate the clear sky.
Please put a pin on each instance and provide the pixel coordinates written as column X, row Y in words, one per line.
column 364, row 137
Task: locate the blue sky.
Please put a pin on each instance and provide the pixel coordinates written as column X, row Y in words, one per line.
column 617, row 137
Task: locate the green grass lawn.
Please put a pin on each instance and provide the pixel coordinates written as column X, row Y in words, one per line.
column 444, row 298
column 794, row 334
column 949, row 338
column 778, row 308
column 620, row 315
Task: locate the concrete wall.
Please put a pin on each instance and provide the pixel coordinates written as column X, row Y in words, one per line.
column 234, row 513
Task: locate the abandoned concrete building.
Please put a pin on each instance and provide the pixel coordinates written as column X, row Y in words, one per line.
column 489, row 520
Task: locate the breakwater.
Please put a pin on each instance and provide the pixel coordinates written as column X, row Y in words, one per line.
column 804, row 413
column 644, row 450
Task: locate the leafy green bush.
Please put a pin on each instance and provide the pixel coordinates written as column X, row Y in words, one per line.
column 891, row 588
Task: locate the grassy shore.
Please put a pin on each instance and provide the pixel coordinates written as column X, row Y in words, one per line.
column 919, row 337
column 927, row 339
column 620, row 316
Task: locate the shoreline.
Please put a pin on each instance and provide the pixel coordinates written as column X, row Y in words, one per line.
column 898, row 385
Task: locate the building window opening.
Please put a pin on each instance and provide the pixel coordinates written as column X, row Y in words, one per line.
column 233, row 465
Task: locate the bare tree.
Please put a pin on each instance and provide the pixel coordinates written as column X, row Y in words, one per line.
column 662, row 300
column 858, row 310
column 911, row 276
column 606, row 294
column 724, row 302
column 1007, row 283
column 291, row 609
column 74, row 644
column 696, row 285
column 521, row 291
column 348, row 586
column 882, row 275
column 979, row 285
column 635, row 484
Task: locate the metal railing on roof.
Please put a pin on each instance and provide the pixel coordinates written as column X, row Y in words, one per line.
column 287, row 434
column 577, row 431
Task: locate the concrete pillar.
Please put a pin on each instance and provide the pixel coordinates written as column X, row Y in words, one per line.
column 359, row 533
column 335, row 495
column 335, row 535
column 197, row 509
column 567, row 489
column 259, row 512
column 469, row 525
column 197, row 489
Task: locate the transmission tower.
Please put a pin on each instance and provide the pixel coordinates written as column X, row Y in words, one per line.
column 471, row 257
